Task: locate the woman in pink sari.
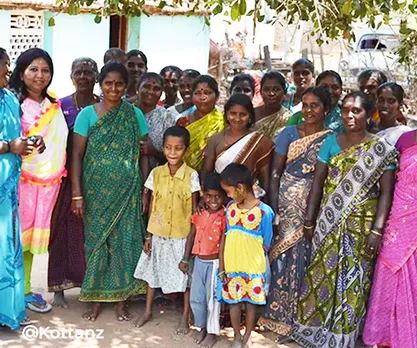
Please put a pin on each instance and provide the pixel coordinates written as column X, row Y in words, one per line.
column 41, row 172
column 392, row 311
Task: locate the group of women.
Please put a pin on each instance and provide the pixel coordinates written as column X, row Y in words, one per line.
column 328, row 168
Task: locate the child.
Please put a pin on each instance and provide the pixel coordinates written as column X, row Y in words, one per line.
column 242, row 258
column 175, row 192
column 204, row 240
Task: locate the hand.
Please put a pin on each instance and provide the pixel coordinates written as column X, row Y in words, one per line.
column 20, row 146
column 183, row 267
column 40, row 144
column 147, row 148
column 373, row 244
column 78, row 208
column 223, row 277
column 147, row 246
column 201, row 206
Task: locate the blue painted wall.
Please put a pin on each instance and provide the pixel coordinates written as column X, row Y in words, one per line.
column 171, row 40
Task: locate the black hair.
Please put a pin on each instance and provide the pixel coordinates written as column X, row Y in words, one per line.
column 212, row 83
column 367, row 102
column 17, row 84
column 176, row 70
column 112, row 53
column 90, row 61
column 191, row 73
column 396, row 89
column 151, row 75
column 179, row 132
column 113, row 67
column 212, row 182
column 277, row 76
column 3, row 54
column 135, row 53
column 235, row 174
column 304, row 61
column 327, row 73
column 244, row 101
column 243, row 78
column 322, row 93
column 367, row 74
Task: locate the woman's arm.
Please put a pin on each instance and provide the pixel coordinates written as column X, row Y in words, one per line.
column 209, row 157
column 78, row 151
column 278, row 166
column 221, row 258
column 314, row 199
column 184, row 264
column 387, row 182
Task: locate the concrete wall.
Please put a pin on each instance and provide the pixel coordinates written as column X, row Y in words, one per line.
column 5, row 30
column 171, row 40
column 70, row 38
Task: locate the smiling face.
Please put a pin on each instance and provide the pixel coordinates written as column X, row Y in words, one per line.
column 369, row 86
column 174, row 150
column 354, row 115
column 4, row 71
column 313, row 109
column 238, row 118
column 302, row 77
column 83, row 77
column 150, row 92
column 272, row 93
column 170, row 83
column 204, row 98
column 37, row 76
column 334, row 88
column 136, row 67
column 388, row 106
column 113, row 87
column 186, row 89
column 243, row 87
column 238, row 194
column 213, row 200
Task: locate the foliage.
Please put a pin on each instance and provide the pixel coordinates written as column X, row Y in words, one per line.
column 332, row 18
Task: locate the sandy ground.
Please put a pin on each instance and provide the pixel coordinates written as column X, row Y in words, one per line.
column 157, row 333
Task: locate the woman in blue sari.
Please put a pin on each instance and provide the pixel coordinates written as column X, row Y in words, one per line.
column 12, row 145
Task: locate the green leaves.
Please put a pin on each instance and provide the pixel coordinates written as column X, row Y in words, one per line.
column 51, row 22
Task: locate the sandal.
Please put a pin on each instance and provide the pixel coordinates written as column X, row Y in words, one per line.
column 36, row 303
column 26, row 322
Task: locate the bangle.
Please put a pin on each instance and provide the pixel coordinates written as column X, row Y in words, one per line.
column 186, row 261
column 148, row 238
column 308, row 227
column 77, row 198
column 219, row 274
column 8, row 146
column 376, row 233
column 377, row 229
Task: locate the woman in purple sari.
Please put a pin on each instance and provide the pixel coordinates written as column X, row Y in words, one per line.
column 391, row 320
column 66, row 266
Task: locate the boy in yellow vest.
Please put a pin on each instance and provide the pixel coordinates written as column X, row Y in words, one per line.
column 175, row 191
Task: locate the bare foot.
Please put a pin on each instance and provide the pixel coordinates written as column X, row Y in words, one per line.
column 198, row 336
column 183, row 327
column 93, row 313
column 59, row 300
column 122, row 314
column 143, row 320
column 209, row 341
column 237, row 342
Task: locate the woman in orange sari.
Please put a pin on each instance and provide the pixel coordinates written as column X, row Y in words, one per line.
column 41, row 172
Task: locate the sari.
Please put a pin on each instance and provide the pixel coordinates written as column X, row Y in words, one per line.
column 273, row 124
column 334, row 294
column 392, row 134
column 391, row 318
column 66, row 263
column 113, row 225
column 175, row 115
column 41, row 173
column 253, row 150
column 200, row 131
column 12, row 304
column 290, row 253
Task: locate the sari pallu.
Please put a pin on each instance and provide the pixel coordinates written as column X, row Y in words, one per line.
column 200, row 131
column 273, row 124
column 12, row 304
column 334, row 294
column 290, row 254
column 391, row 318
column 113, row 225
column 41, row 173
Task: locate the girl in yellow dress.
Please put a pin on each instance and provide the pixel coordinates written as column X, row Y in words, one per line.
column 243, row 248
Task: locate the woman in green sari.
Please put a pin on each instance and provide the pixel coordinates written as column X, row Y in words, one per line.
column 204, row 122
column 353, row 184
column 106, row 176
